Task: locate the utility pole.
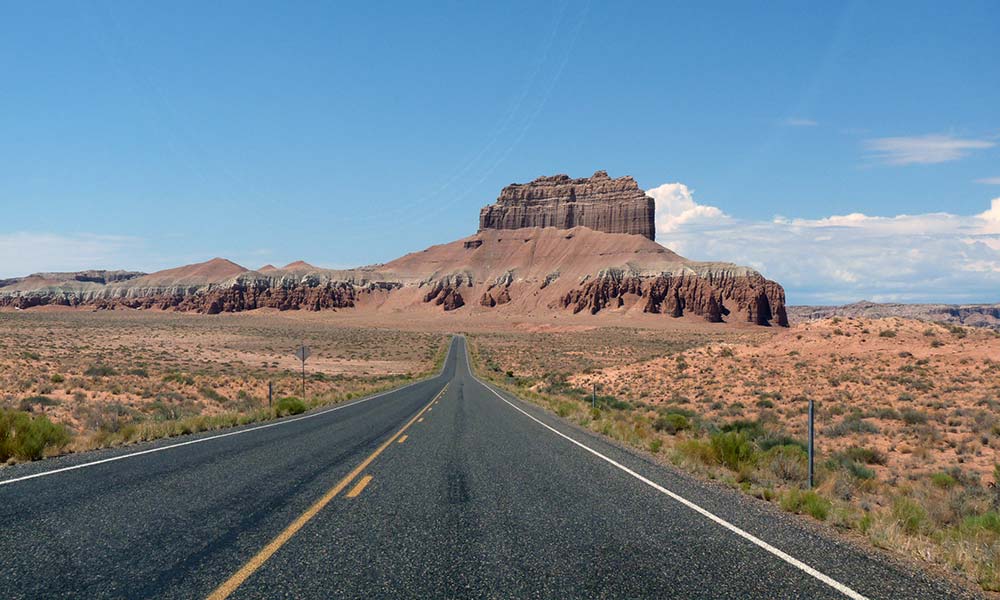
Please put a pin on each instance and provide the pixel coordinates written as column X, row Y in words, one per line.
column 302, row 353
column 811, row 440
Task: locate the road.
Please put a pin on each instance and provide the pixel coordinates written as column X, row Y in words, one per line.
column 446, row 488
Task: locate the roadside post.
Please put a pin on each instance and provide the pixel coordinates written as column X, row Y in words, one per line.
column 593, row 397
column 811, row 440
column 302, row 353
column 270, row 394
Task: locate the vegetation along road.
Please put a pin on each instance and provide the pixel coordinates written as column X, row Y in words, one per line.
column 446, row 487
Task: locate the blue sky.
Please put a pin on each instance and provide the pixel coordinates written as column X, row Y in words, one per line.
column 144, row 136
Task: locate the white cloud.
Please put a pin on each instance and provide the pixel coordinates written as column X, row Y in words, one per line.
column 924, row 149
column 932, row 257
column 991, row 217
column 989, row 180
column 675, row 206
column 800, row 122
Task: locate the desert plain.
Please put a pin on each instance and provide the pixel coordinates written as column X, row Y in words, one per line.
column 907, row 411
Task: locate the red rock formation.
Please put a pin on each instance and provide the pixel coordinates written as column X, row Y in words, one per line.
column 597, row 202
column 753, row 298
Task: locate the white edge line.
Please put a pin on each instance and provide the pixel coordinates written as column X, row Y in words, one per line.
column 223, row 435
column 843, row 589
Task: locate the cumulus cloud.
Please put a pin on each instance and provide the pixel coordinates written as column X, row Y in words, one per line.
column 675, row 206
column 924, row 149
column 932, row 257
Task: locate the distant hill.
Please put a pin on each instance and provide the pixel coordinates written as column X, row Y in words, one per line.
column 973, row 315
column 554, row 244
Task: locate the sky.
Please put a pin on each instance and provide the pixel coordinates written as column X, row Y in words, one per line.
column 846, row 150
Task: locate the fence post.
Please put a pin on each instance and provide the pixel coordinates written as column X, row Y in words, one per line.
column 811, row 440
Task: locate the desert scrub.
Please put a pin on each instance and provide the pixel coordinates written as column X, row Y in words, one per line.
column 786, row 463
column 808, row 502
column 911, row 516
column 289, row 405
column 24, row 437
column 671, row 423
column 852, row 423
column 99, row 370
column 733, row 449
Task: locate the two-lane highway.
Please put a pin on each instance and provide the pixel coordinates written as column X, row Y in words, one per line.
column 446, row 488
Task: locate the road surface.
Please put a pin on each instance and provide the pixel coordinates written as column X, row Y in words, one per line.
column 445, row 488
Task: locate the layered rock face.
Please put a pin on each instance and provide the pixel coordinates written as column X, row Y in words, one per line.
column 713, row 294
column 597, row 202
column 555, row 244
column 973, row 315
column 284, row 289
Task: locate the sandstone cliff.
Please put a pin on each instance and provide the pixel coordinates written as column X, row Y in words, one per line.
column 554, row 245
column 597, row 202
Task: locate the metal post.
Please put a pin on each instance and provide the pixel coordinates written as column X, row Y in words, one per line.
column 811, row 438
column 270, row 394
column 593, row 399
column 303, row 380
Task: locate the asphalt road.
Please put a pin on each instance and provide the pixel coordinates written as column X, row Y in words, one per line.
column 415, row 493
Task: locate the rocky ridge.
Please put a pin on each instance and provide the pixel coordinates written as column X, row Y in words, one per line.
column 973, row 315
column 597, row 202
column 589, row 249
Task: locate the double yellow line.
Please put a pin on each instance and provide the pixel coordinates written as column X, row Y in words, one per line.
column 237, row 579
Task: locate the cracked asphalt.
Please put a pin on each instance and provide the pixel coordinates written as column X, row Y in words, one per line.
column 478, row 500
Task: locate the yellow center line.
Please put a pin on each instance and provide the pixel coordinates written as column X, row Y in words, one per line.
column 402, row 439
column 361, row 485
column 230, row 585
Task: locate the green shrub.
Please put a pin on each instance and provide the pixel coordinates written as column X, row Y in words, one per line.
column 733, row 449
column 209, row 393
column 751, row 429
column 787, row 463
column 57, row 378
column 671, row 423
column 913, row 417
column 697, row 450
column 100, row 371
column 181, row 378
column 868, row 456
column 28, row 403
column 809, row 502
column 858, row 470
column 27, row 438
column 852, row 424
column 887, row 333
column 911, row 516
column 989, row 521
column 655, row 445
column 780, row 440
column 290, row 405
column 943, row 480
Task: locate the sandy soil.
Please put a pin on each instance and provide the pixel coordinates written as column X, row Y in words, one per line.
column 85, row 368
column 926, row 395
